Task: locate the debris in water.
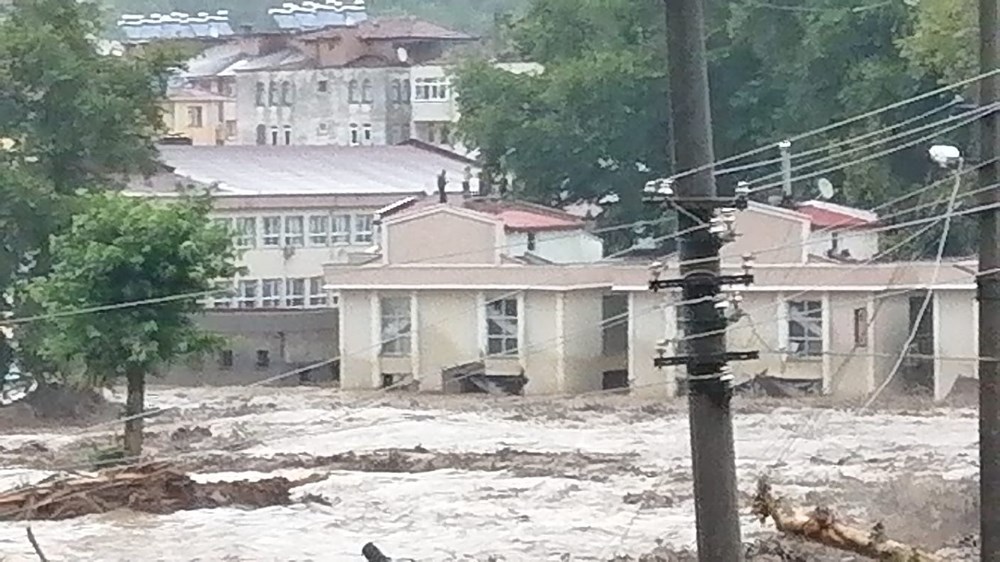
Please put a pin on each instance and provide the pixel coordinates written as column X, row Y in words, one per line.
column 155, row 487
column 648, row 499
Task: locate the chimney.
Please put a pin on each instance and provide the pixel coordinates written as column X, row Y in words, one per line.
column 467, row 183
column 442, row 181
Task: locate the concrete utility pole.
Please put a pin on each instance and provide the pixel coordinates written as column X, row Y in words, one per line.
column 988, row 286
column 709, row 390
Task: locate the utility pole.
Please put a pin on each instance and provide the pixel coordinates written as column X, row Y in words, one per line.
column 988, row 289
column 708, row 382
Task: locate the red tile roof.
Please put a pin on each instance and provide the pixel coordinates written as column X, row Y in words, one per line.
column 828, row 215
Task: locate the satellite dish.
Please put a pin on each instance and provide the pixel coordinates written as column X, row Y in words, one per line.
column 402, row 55
column 825, row 188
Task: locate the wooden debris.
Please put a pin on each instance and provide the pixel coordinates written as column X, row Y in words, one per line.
column 821, row 526
column 34, row 545
column 153, row 488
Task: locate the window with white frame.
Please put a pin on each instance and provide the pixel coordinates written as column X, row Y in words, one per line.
column 249, row 292
column 272, row 231
column 340, row 231
column 501, row 327
column 294, row 232
column 430, row 89
column 224, row 298
column 246, row 232
column 367, row 132
column 270, row 293
column 319, row 230
column 805, row 328
column 355, row 135
column 363, row 228
column 317, row 294
column 395, row 312
column 295, row 293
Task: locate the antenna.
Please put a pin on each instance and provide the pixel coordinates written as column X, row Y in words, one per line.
column 825, row 188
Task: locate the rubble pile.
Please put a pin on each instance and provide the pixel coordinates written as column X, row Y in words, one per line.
column 155, row 487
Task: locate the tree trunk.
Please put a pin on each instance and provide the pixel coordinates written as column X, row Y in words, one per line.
column 133, row 408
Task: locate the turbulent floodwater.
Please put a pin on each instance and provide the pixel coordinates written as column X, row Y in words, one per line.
column 868, row 466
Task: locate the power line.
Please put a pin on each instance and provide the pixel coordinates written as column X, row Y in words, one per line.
column 842, row 123
column 807, row 9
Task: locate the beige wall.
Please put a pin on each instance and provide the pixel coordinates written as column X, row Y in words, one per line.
column 956, row 323
column 582, row 337
column 446, row 334
column 358, row 359
column 651, row 321
column 892, row 327
column 445, row 237
column 760, row 230
column 214, row 115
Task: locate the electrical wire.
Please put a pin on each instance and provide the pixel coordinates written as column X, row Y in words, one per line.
column 814, row 10
column 840, row 124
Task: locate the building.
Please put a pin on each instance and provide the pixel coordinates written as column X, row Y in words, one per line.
column 481, row 319
column 292, row 209
column 203, row 116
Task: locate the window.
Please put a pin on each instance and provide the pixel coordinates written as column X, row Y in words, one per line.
column 195, row 117
column 366, row 91
column 231, row 129
column 501, row 327
column 323, row 129
column 362, row 229
column 226, row 359
column 272, row 231
column 340, row 232
column 286, row 93
column 295, row 293
column 532, row 242
column 805, row 328
column 355, row 139
column 293, row 232
column 861, row 327
column 406, row 91
column 224, row 224
column 396, row 93
column 261, row 92
column 224, row 298
column 261, row 135
column 272, row 94
column 445, row 134
column 317, row 294
column 288, row 135
column 395, row 326
column 834, row 241
column 352, row 92
column 246, row 232
column 263, row 359
column 319, row 230
column 222, row 112
column 323, row 86
column 274, row 136
column 431, row 89
column 248, row 293
column 367, row 128
column 270, row 293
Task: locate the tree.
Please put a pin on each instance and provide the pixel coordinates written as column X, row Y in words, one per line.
column 120, row 250
column 78, row 121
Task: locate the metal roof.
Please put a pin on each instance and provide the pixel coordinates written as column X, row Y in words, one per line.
column 312, row 170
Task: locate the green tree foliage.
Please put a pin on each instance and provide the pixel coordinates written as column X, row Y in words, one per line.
column 944, row 38
column 776, row 69
column 79, row 120
column 119, row 250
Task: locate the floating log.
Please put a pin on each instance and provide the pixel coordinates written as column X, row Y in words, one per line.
column 821, row 526
column 155, row 487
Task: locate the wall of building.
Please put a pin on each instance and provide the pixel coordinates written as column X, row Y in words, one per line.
column 358, row 358
column 451, row 237
column 326, row 115
column 652, row 320
column 292, row 339
column 582, row 340
column 892, row 327
column 956, row 317
column 756, row 226
column 558, row 246
column 446, row 333
column 433, row 110
column 214, row 115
